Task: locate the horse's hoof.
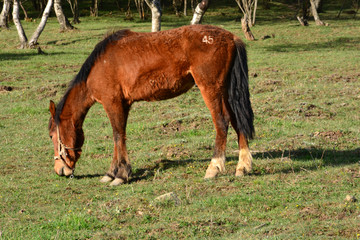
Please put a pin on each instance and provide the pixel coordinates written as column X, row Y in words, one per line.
column 117, row 181
column 242, row 169
column 211, row 172
column 106, row 179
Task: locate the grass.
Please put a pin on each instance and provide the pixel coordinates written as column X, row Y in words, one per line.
column 305, row 93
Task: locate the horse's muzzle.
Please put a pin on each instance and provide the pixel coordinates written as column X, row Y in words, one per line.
column 63, row 170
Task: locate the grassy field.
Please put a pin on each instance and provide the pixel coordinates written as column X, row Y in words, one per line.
column 305, row 90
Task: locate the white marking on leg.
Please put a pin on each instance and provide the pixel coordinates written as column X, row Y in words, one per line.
column 217, row 165
column 245, row 163
column 106, row 179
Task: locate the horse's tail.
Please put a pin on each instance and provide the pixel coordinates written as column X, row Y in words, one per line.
column 238, row 93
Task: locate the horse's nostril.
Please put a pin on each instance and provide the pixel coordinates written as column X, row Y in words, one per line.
column 61, row 172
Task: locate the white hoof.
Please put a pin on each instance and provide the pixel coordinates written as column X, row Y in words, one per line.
column 116, row 182
column 106, row 179
column 217, row 165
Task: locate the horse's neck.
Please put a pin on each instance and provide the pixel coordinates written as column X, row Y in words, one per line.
column 77, row 104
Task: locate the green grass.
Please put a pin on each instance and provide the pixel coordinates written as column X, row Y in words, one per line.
column 305, row 89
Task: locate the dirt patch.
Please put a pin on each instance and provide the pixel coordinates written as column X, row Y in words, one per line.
column 50, row 91
column 331, row 135
column 179, row 125
column 268, row 86
column 171, row 127
column 6, row 88
column 312, row 110
column 343, row 78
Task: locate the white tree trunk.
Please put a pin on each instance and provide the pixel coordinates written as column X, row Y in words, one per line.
column 156, row 13
column 20, row 29
column 199, row 12
column 40, row 28
column 62, row 19
column 4, row 14
column 315, row 13
column 254, row 12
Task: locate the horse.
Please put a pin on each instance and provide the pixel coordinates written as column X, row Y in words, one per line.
column 127, row 67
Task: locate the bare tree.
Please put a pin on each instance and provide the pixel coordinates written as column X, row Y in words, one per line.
column 24, row 43
column 94, row 11
column 248, row 8
column 156, row 13
column 140, row 7
column 200, row 11
column 62, row 19
column 74, row 6
column 4, row 14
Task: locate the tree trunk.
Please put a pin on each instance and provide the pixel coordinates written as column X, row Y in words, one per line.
column 199, row 12
column 62, row 19
column 315, row 14
column 94, row 12
column 140, row 7
column 176, row 7
column 246, row 29
column 254, row 12
column 185, row 7
column 40, row 28
column 4, row 14
column 76, row 19
column 156, row 13
column 20, row 30
column 25, row 13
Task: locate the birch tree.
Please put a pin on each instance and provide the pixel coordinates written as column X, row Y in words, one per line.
column 62, row 19
column 314, row 6
column 24, row 43
column 199, row 12
column 4, row 14
column 156, row 13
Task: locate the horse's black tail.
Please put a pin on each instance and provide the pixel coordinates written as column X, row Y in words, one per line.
column 238, row 93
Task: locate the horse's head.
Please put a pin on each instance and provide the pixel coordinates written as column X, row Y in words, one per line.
column 67, row 140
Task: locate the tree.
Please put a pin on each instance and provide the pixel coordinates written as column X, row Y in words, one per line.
column 24, row 43
column 62, row 19
column 200, row 11
column 156, row 13
column 310, row 6
column 140, row 7
column 314, row 6
column 4, row 14
column 74, row 6
column 248, row 8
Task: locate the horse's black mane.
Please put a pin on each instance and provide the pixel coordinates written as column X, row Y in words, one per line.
column 88, row 64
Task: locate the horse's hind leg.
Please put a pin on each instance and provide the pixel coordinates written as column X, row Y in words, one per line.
column 245, row 159
column 120, row 169
column 221, row 121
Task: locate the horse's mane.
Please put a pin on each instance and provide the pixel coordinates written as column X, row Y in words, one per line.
column 88, row 64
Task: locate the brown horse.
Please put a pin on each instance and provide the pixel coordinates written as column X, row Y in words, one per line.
column 127, row 67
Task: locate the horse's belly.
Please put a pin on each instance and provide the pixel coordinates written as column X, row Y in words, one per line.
column 160, row 87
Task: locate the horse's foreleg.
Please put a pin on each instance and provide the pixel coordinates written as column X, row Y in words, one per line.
column 120, row 169
column 245, row 159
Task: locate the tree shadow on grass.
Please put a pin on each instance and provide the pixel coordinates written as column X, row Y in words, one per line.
column 26, row 55
column 328, row 157
column 339, row 43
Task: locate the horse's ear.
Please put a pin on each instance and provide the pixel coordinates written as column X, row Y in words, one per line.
column 52, row 109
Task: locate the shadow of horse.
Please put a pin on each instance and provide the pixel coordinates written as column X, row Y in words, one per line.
column 328, row 157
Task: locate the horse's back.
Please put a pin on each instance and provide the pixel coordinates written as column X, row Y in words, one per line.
column 161, row 65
